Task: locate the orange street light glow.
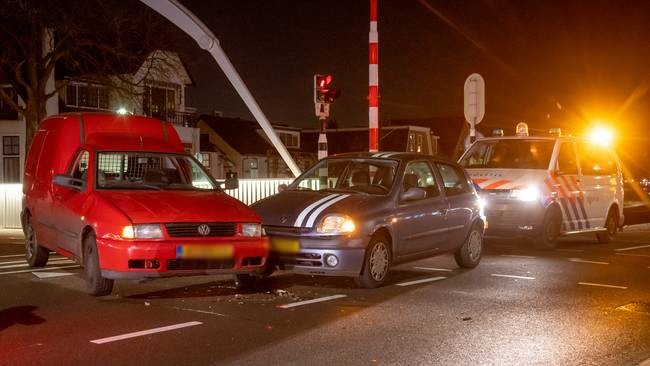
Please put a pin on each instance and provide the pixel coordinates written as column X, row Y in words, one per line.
column 602, row 136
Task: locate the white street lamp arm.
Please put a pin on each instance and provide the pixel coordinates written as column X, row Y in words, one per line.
column 190, row 24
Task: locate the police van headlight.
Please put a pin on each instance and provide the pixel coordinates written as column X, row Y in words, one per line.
column 336, row 224
column 528, row 194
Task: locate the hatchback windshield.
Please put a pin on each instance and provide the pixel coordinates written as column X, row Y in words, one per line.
column 143, row 170
column 509, row 154
column 356, row 175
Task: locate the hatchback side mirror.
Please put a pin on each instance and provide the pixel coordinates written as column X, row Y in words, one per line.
column 413, row 194
column 282, row 187
column 67, row 181
column 231, row 182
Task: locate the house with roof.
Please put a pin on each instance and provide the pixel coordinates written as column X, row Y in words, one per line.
column 238, row 145
column 153, row 87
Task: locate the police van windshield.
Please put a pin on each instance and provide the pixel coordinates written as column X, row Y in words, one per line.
column 371, row 176
column 509, row 154
column 152, row 171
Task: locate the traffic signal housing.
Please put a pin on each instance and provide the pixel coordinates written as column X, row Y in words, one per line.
column 323, row 90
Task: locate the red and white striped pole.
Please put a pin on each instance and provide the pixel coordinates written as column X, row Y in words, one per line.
column 373, row 80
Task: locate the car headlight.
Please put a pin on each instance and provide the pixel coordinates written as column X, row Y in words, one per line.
column 336, row 224
column 528, row 194
column 251, row 229
column 145, row 231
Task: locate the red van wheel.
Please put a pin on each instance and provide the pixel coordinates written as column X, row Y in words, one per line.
column 96, row 285
column 35, row 254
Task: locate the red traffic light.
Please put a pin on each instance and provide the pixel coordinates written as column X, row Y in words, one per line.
column 323, row 81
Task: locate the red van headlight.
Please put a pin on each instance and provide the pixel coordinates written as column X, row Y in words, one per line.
column 249, row 229
column 145, row 231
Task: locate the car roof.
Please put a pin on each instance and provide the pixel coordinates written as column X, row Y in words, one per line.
column 393, row 155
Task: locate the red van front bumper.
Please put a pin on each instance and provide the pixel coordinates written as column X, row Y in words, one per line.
column 138, row 259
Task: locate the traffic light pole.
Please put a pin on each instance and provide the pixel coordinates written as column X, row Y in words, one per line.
column 322, row 138
column 190, row 24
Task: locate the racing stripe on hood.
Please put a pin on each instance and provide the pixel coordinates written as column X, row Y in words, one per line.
column 306, row 211
column 317, row 212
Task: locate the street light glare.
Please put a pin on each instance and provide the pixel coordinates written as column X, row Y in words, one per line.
column 121, row 111
column 602, row 136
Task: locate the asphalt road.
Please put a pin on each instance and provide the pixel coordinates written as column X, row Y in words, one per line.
column 518, row 307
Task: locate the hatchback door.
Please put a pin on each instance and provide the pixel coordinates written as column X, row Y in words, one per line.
column 462, row 202
column 420, row 225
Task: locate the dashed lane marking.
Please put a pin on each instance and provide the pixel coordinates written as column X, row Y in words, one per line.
column 145, row 332
column 631, row 248
column 38, row 270
column 434, row 269
column 312, row 301
column 424, row 280
column 518, row 256
column 66, row 261
column 25, row 262
column 579, row 260
column 634, row 255
column 12, row 256
column 512, row 276
column 601, row 285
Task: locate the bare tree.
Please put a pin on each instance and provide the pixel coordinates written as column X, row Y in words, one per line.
column 90, row 40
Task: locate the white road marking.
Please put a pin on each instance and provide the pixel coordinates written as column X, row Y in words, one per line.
column 313, row 301
column 434, row 269
column 23, row 261
column 38, row 270
column 631, row 248
column 431, row 279
column 601, row 285
column 145, row 332
column 12, row 256
column 579, row 260
column 634, row 255
column 512, row 276
column 44, row 275
column 571, row 250
column 66, row 261
column 518, row 256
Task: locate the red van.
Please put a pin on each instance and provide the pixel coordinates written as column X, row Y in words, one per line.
column 119, row 195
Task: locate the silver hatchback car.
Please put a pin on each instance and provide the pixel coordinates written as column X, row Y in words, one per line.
column 358, row 214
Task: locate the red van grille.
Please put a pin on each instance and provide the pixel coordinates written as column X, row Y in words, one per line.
column 191, row 229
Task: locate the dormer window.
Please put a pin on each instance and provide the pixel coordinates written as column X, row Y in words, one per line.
column 290, row 139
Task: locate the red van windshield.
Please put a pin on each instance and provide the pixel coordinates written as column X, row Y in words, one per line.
column 139, row 170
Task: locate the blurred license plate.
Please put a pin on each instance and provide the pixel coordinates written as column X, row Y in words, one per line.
column 204, row 251
column 282, row 245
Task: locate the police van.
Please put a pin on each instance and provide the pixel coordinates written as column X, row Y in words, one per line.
column 544, row 187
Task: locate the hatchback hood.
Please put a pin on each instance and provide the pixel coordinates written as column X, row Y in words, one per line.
column 179, row 206
column 306, row 208
column 507, row 178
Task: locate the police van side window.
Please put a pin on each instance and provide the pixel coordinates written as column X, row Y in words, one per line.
column 596, row 160
column 566, row 160
column 80, row 168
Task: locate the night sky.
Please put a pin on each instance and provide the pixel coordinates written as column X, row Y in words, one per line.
column 591, row 57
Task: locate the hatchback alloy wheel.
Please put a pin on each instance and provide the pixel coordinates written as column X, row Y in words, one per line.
column 475, row 245
column 379, row 261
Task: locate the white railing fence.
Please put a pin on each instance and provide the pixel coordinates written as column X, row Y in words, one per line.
column 11, row 196
column 250, row 190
